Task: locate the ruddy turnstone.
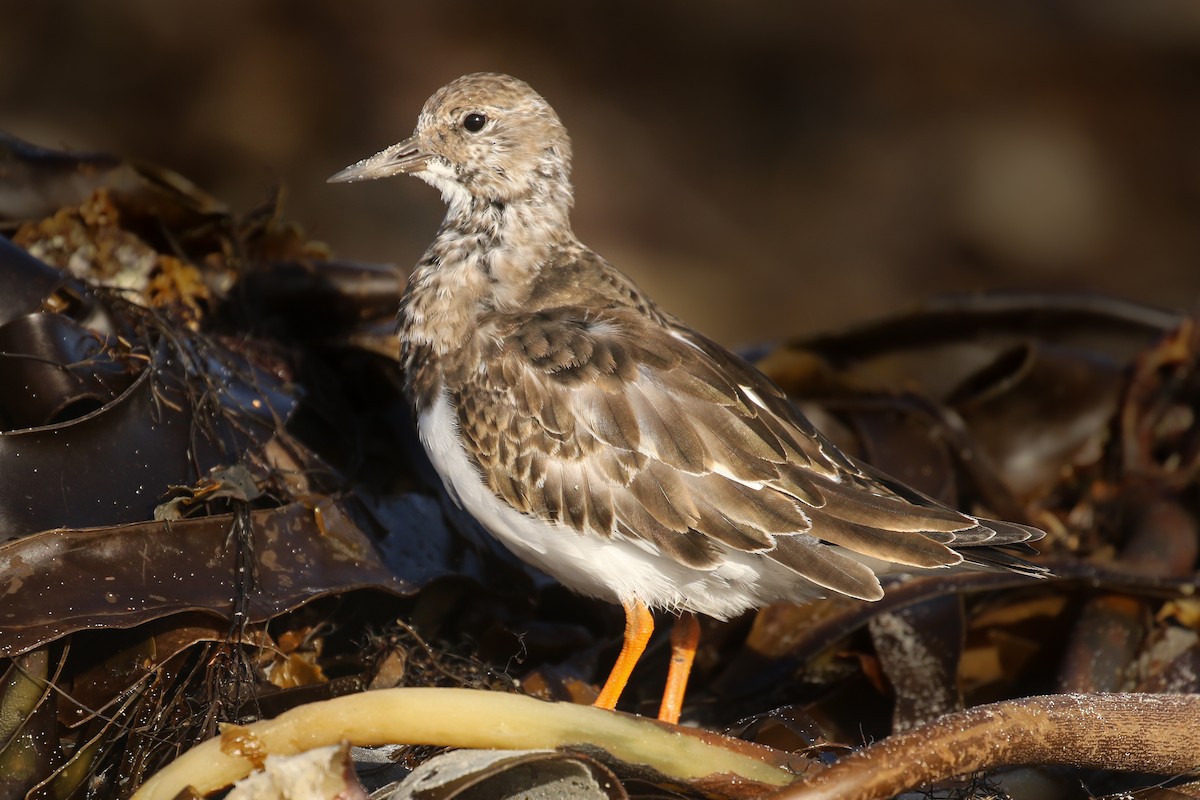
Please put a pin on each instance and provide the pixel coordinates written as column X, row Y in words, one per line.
column 601, row 439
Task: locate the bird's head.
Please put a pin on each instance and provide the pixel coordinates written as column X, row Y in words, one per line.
column 483, row 137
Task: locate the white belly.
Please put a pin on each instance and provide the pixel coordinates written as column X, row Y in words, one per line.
column 615, row 568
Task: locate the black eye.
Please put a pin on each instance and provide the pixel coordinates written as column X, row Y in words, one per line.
column 474, row 122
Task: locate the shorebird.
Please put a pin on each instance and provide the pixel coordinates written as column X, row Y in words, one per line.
column 604, row 441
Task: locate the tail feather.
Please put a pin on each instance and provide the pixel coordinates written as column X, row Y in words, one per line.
column 1000, row 551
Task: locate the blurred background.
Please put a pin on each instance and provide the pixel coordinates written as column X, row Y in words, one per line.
column 762, row 169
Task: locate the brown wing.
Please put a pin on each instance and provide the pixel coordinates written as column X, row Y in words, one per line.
column 604, row 421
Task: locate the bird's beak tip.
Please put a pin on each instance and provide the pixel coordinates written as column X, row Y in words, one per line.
column 346, row 175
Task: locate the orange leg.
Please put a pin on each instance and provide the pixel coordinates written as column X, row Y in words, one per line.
column 638, row 627
column 684, row 638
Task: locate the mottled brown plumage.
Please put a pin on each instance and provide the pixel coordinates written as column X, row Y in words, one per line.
column 599, row 437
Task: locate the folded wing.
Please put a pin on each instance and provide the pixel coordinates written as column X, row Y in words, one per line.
column 607, row 423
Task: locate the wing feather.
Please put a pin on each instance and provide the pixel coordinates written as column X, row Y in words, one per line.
column 826, row 567
column 608, row 422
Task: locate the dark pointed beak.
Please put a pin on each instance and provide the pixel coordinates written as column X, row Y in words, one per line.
column 403, row 158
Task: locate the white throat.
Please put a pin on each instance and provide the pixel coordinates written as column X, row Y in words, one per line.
column 441, row 176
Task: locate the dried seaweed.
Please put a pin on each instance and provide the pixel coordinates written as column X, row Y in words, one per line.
column 216, row 512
